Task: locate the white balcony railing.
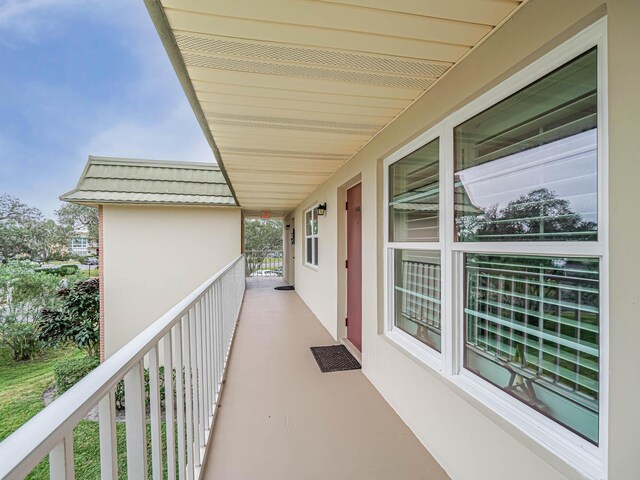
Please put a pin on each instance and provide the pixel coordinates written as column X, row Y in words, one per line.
column 194, row 338
column 264, row 263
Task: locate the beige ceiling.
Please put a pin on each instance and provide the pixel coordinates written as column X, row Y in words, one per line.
column 291, row 89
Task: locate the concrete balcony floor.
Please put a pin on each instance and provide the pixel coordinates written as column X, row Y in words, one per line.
column 281, row 418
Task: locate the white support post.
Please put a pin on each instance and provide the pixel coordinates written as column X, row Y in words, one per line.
column 136, row 424
column 61, row 462
column 154, row 413
column 108, row 441
column 169, row 407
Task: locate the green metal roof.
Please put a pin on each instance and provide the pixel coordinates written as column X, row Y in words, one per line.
column 129, row 181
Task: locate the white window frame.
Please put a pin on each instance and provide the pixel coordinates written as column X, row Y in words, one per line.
column 423, row 352
column 580, row 454
column 314, row 250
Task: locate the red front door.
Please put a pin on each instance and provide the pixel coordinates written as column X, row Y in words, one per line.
column 354, row 266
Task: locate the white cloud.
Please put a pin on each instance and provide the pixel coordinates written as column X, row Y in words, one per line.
column 174, row 136
column 29, row 19
column 14, row 10
column 36, row 20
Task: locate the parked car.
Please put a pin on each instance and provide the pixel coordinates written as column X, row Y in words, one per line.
column 264, row 273
column 90, row 261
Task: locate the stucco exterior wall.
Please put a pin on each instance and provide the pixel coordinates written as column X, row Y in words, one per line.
column 469, row 440
column 154, row 256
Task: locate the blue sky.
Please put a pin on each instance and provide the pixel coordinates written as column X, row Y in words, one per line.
column 81, row 78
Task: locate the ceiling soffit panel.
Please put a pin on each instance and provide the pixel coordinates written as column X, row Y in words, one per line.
column 290, row 90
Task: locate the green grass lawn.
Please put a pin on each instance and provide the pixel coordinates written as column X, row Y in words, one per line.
column 22, row 385
column 21, row 388
column 94, row 272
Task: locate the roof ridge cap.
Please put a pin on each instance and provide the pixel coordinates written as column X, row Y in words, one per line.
column 138, row 162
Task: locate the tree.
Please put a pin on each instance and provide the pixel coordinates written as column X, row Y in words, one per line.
column 25, row 233
column 79, row 217
column 47, row 238
column 260, row 237
column 539, row 214
column 18, row 223
column 264, row 235
column 12, row 210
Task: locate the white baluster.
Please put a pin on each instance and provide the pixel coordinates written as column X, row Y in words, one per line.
column 136, row 424
column 154, row 412
column 207, row 339
column 108, row 441
column 200, row 376
column 219, row 341
column 195, row 413
column 168, row 407
column 61, row 463
column 180, row 406
column 188, row 396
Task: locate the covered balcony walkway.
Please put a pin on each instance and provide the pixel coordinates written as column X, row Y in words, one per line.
column 281, row 418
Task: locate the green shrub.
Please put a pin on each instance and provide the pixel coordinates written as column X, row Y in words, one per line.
column 78, row 319
column 119, row 394
column 61, row 271
column 21, row 338
column 70, row 371
column 65, row 270
column 119, row 390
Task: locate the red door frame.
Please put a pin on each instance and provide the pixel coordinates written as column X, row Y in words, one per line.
column 354, row 265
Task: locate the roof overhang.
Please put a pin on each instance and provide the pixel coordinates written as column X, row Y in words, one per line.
column 286, row 92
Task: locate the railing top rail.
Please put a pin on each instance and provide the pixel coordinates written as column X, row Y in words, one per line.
column 24, row 449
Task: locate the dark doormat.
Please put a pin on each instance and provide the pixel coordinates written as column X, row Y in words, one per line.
column 286, row 287
column 334, row 358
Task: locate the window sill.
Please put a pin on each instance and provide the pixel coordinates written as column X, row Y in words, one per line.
column 310, row 266
column 571, row 454
column 572, row 450
column 417, row 350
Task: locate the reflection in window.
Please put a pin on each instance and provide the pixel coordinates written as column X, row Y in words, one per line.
column 532, row 328
column 414, row 195
column 417, row 295
column 526, row 168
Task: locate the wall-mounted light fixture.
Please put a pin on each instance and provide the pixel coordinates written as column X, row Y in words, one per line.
column 287, row 226
column 322, row 209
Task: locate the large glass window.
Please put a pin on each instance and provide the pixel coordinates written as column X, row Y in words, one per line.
column 414, row 216
column 311, row 237
column 414, row 196
column 517, row 279
column 417, row 295
column 526, row 168
column 532, row 328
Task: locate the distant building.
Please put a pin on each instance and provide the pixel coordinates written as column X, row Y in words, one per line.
column 81, row 245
